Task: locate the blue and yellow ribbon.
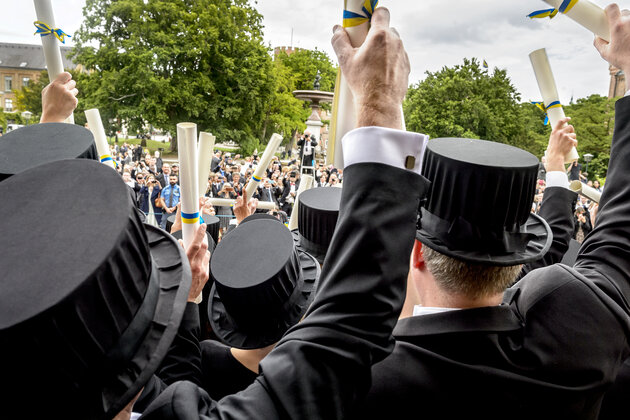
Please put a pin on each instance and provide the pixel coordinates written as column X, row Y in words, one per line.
column 540, row 14
column 43, row 29
column 351, row 19
column 564, row 8
column 190, row 218
column 544, row 108
column 256, row 178
column 106, row 158
column 567, row 5
column 485, row 64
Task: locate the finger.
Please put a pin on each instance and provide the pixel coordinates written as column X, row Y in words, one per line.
column 613, row 13
column 569, row 129
column 561, row 122
column 206, row 261
column 244, row 195
column 71, row 84
column 395, row 32
column 380, row 18
column 600, row 45
column 625, row 12
column 63, row 78
column 74, row 92
column 342, row 45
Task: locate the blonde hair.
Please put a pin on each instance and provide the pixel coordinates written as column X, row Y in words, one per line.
column 468, row 279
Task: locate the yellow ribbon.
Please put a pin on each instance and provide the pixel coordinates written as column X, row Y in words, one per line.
column 43, row 29
column 351, row 19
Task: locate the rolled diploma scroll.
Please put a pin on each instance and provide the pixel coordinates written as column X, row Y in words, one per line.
column 549, row 92
column 52, row 50
column 587, row 14
column 204, row 154
column 306, row 183
column 187, row 147
column 265, row 160
column 344, row 117
column 583, row 189
column 264, row 205
column 96, row 127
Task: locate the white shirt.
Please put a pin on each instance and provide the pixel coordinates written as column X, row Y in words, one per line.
column 428, row 310
column 627, row 93
column 384, row 145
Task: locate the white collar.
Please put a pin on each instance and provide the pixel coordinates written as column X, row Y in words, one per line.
column 428, row 310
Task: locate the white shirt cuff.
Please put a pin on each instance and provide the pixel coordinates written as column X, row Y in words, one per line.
column 397, row 148
column 557, row 179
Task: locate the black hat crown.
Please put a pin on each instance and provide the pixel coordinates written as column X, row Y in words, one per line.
column 89, row 299
column 478, row 208
column 262, row 284
column 37, row 144
column 318, row 213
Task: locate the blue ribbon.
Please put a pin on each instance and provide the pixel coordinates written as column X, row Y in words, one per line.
column 44, row 29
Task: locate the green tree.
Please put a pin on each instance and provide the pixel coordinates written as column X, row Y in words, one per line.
column 594, row 122
column 466, row 101
column 303, row 66
column 167, row 61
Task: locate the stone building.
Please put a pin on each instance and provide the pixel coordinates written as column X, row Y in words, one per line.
column 19, row 65
column 618, row 85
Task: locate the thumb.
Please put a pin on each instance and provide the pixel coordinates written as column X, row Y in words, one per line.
column 600, row 44
column 342, row 46
column 63, row 78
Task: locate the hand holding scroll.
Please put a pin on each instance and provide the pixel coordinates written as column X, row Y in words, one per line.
column 617, row 51
column 199, row 258
column 59, row 99
column 562, row 139
column 377, row 72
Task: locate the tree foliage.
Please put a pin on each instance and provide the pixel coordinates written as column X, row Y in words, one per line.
column 469, row 101
column 303, row 66
column 168, row 61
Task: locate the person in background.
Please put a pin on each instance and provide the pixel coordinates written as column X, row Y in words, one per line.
column 169, row 198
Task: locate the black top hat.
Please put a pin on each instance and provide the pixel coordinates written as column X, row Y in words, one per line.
column 318, row 211
column 262, row 284
column 90, row 298
column 478, row 208
column 212, row 226
column 34, row 145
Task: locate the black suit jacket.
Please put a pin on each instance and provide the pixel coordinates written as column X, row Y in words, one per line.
column 323, row 364
column 548, row 352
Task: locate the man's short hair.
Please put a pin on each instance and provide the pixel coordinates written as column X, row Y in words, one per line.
column 471, row 280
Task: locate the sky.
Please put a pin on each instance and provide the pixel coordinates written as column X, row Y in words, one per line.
column 436, row 33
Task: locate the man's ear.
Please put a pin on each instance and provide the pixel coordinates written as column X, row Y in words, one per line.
column 418, row 257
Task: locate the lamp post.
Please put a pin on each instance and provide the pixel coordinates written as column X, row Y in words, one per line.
column 27, row 116
column 587, row 157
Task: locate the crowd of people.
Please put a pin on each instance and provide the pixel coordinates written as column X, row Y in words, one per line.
column 428, row 285
column 156, row 183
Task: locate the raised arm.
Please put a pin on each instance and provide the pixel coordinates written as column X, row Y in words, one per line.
column 605, row 254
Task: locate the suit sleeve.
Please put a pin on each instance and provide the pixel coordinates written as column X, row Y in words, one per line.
column 557, row 210
column 604, row 257
column 183, row 360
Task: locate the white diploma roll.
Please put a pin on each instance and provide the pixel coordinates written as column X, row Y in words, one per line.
column 188, row 180
column 583, row 189
column 95, row 123
column 265, row 160
column 50, row 44
column 306, row 183
column 204, row 154
column 585, row 13
column 344, row 111
column 549, row 92
column 226, row 202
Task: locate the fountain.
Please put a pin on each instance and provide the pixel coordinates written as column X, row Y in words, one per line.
column 315, row 97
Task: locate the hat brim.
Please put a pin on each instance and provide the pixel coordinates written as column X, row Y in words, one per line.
column 534, row 250
column 319, row 254
column 229, row 333
column 174, row 278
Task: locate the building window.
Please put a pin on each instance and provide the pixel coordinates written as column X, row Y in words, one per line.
column 8, row 105
column 8, row 83
column 25, row 81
